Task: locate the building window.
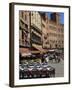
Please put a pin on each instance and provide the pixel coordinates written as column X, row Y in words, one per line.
column 55, row 45
column 45, row 37
column 47, row 34
column 22, row 35
column 47, row 42
column 35, row 38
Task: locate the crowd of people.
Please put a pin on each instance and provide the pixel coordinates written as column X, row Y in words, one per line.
column 56, row 57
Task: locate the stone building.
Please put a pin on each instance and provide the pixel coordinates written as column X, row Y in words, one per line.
column 36, row 31
column 24, row 28
column 56, row 31
column 44, row 18
column 52, row 34
column 24, row 35
column 61, row 36
column 54, row 37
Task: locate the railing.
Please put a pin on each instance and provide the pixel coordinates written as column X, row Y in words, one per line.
column 22, row 26
column 36, row 28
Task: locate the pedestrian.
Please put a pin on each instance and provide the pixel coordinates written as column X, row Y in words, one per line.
column 46, row 58
column 55, row 57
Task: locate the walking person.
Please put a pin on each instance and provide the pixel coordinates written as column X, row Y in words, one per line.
column 46, row 58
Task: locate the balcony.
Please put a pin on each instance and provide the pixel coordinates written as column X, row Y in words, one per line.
column 36, row 28
column 23, row 26
column 23, row 20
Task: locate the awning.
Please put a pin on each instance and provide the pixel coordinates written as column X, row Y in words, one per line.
column 24, row 50
column 26, row 54
column 39, row 48
column 27, row 51
column 51, row 50
column 34, row 52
